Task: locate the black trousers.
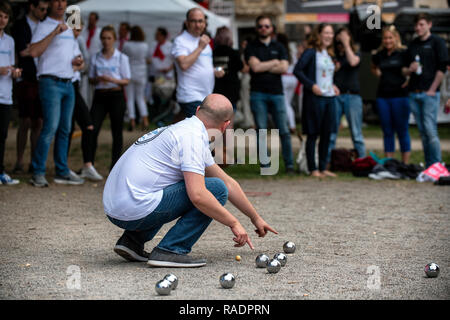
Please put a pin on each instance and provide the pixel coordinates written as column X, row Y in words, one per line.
column 323, row 117
column 112, row 103
column 5, row 115
column 82, row 117
column 310, row 149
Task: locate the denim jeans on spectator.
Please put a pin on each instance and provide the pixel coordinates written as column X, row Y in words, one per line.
column 425, row 109
column 189, row 108
column 58, row 100
column 174, row 204
column 394, row 118
column 351, row 105
column 261, row 104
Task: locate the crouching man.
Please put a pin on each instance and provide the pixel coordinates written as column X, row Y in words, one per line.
column 170, row 174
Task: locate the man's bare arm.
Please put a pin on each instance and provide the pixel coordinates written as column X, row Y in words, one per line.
column 238, row 198
column 205, row 201
column 185, row 62
column 38, row 48
column 436, row 83
column 258, row 66
column 280, row 68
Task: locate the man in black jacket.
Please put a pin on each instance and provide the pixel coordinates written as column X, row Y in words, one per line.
column 30, row 111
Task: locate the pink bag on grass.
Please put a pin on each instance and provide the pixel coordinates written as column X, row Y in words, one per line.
column 433, row 173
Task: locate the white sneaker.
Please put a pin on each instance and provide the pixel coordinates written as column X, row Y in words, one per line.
column 91, row 174
column 7, row 180
column 72, row 178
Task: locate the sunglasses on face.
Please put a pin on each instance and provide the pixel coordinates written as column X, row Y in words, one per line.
column 196, row 21
column 266, row 26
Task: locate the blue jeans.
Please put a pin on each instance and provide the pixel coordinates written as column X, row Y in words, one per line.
column 174, row 204
column 425, row 109
column 58, row 101
column 351, row 105
column 261, row 104
column 189, row 108
column 394, row 118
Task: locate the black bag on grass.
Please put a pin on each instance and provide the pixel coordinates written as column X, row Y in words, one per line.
column 341, row 159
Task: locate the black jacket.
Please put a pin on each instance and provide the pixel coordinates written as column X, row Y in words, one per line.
column 22, row 35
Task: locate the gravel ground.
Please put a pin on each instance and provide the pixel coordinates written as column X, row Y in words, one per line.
column 347, row 232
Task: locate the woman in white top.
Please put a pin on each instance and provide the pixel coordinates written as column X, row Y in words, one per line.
column 109, row 71
column 7, row 73
column 137, row 50
column 315, row 70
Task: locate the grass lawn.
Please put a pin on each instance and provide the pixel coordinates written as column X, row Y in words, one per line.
column 252, row 171
column 374, row 131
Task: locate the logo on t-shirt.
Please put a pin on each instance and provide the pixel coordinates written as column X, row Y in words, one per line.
column 146, row 138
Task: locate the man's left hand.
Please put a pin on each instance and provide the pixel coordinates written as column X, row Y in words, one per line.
column 77, row 61
column 262, row 227
column 430, row 93
column 219, row 73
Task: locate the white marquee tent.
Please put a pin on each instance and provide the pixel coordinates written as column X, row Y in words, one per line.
column 148, row 14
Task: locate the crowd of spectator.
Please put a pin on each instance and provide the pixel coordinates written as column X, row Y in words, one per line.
column 65, row 76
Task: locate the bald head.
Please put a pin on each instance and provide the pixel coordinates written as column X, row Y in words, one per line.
column 194, row 10
column 215, row 109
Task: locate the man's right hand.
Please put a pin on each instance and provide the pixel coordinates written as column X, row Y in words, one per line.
column 262, row 227
column 241, row 236
column 60, row 28
column 204, row 41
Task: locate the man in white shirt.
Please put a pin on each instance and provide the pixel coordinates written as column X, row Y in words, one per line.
column 194, row 63
column 168, row 174
column 91, row 34
column 160, row 58
column 124, row 34
column 161, row 82
column 58, row 56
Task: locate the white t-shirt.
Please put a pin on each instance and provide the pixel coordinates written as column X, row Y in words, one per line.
column 134, row 187
column 117, row 67
column 137, row 53
column 57, row 58
column 33, row 25
column 7, row 59
column 324, row 73
column 158, row 63
column 197, row 82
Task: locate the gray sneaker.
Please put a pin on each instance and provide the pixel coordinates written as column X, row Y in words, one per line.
column 162, row 258
column 91, row 174
column 39, row 181
column 72, row 178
